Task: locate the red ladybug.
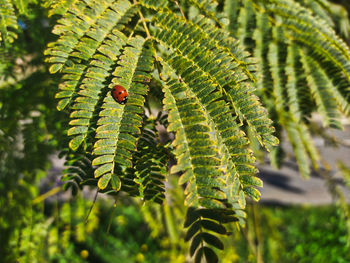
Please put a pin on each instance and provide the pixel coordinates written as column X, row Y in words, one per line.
column 119, row 94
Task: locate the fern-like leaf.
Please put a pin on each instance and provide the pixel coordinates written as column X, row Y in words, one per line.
column 80, row 38
column 207, row 81
column 237, row 90
column 119, row 126
column 303, row 65
column 8, row 22
column 149, row 164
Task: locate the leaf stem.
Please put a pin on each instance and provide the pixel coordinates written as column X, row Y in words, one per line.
column 143, row 22
column 182, row 12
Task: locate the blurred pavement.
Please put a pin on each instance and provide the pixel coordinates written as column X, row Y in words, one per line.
column 286, row 186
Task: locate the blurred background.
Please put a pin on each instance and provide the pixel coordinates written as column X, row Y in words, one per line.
column 297, row 220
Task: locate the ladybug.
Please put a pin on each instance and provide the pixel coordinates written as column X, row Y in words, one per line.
column 119, row 94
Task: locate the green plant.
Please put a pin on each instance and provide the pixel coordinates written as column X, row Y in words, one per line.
column 304, row 68
column 29, row 133
column 208, row 85
column 274, row 235
column 183, row 56
column 118, row 42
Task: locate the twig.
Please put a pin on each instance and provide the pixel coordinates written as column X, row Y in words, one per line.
column 182, row 12
column 92, row 205
column 143, row 22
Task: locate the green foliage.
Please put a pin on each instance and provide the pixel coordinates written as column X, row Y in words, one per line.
column 340, row 197
column 272, row 234
column 206, row 82
column 50, row 238
column 208, row 90
column 150, row 163
column 310, row 239
column 8, row 22
column 29, row 133
column 10, row 11
column 78, row 171
column 129, row 238
column 303, row 66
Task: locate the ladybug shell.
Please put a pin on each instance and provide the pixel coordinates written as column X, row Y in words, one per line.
column 119, row 94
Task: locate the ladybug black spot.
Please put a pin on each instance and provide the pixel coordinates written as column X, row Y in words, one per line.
column 124, row 101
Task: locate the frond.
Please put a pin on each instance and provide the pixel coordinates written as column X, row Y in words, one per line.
column 295, row 138
column 192, row 141
column 320, row 8
column 303, row 65
column 322, row 42
column 276, row 56
column 315, row 34
column 149, row 170
column 231, row 9
column 203, row 227
column 119, row 126
column 246, row 22
column 78, row 172
column 297, row 91
column 22, row 6
column 8, row 22
column 322, row 91
column 58, row 7
column 212, row 152
column 86, row 33
column 82, row 29
column 208, row 8
column 90, row 87
column 237, row 89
